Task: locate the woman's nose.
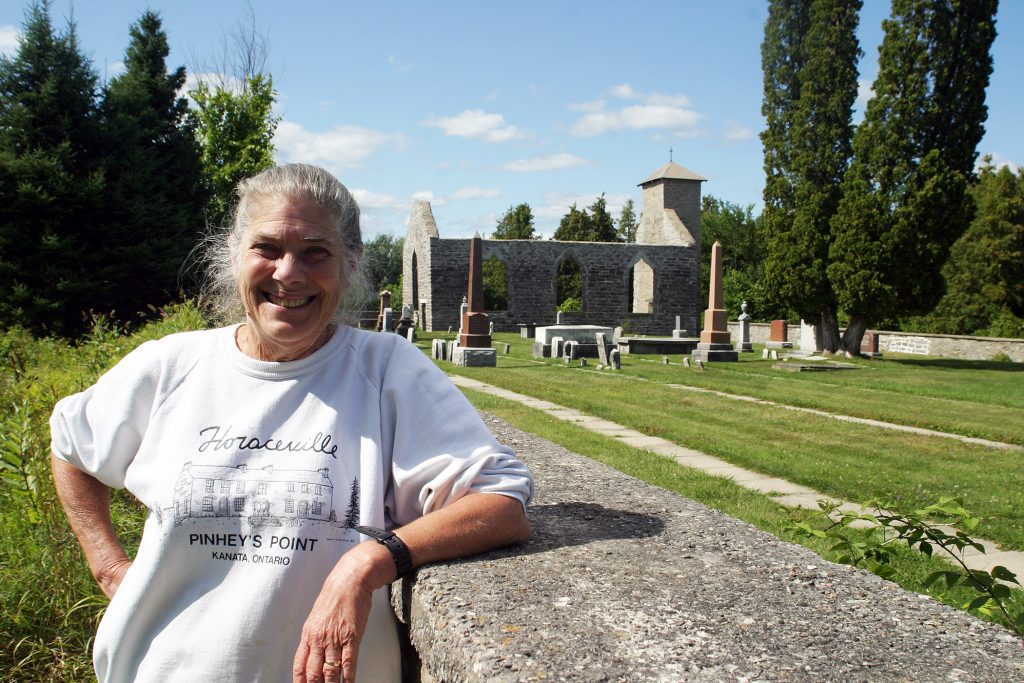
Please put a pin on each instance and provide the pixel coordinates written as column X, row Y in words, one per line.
column 288, row 268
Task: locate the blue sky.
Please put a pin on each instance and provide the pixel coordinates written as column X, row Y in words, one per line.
column 479, row 106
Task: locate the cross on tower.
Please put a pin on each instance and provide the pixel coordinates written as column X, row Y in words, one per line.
column 670, row 154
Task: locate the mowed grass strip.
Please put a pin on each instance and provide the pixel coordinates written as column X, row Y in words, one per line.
column 719, row 493
column 982, row 399
column 848, row 461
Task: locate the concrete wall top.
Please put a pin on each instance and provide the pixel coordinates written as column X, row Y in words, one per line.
column 624, row 581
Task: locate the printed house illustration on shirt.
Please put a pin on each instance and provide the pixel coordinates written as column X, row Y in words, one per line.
column 264, row 496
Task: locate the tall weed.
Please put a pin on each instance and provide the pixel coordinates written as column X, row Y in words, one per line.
column 49, row 603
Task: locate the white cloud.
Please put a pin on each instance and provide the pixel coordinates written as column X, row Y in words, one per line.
column 550, row 162
column 737, row 133
column 865, row 92
column 477, row 124
column 192, row 81
column 370, row 200
column 471, row 192
column 340, row 147
column 655, row 111
column 9, row 36
column 998, row 160
column 398, row 66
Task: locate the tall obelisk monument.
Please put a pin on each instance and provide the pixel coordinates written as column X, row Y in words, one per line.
column 715, row 341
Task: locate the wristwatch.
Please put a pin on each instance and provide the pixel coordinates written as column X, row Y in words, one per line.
column 398, row 549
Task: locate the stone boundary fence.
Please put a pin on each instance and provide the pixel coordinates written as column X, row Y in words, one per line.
column 949, row 345
column 624, row 581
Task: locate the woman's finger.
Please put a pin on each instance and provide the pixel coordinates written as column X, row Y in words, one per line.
column 299, row 663
column 333, row 664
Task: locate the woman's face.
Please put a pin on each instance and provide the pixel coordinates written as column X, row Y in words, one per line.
column 290, row 278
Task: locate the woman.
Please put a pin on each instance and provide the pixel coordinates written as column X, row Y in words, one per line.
column 259, row 448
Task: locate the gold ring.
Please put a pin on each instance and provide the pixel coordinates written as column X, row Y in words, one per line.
column 333, row 663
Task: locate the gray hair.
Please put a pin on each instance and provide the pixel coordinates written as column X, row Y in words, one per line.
column 221, row 249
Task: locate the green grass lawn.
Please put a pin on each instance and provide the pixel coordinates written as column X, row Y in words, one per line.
column 845, row 460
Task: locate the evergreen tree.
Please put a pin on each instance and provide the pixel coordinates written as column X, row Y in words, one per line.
column 602, row 224
column 351, row 520
column 904, row 196
column 51, row 181
column 819, row 132
column 782, row 59
column 985, row 272
column 625, row 231
column 575, row 226
column 155, row 195
column 515, row 224
column 235, row 132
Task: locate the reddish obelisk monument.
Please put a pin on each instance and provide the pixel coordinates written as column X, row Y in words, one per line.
column 475, row 338
column 715, row 341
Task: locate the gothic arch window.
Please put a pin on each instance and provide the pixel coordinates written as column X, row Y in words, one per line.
column 641, row 287
column 495, row 284
column 569, row 290
column 415, row 284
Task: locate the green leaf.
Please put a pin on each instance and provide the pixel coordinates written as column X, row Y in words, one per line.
column 933, row 577
column 1003, row 574
column 925, row 548
column 976, row 603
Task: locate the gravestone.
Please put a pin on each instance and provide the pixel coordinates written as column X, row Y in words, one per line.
column 388, row 321
column 869, row 344
column 616, row 334
column 438, row 349
column 385, row 302
column 715, row 341
column 615, row 358
column 664, row 360
column 764, row 354
column 679, row 332
column 570, row 349
column 410, row 334
column 405, row 323
column 778, row 335
column 686, row 361
column 745, row 343
column 556, row 347
column 809, row 338
column 602, row 350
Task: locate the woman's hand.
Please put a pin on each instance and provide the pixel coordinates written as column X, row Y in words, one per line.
column 335, row 626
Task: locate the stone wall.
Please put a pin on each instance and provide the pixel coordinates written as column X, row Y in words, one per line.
column 948, row 345
column 951, row 346
column 532, row 287
column 624, row 581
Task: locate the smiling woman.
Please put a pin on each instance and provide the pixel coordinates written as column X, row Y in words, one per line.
column 330, row 460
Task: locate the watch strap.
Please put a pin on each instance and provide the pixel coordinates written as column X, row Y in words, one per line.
column 400, row 554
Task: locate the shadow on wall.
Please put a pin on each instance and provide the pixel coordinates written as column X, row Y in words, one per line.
column 960, row 364
column 563, row 525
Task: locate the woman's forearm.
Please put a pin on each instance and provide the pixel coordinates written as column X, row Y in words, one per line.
column 473, row 524
column 86, row 503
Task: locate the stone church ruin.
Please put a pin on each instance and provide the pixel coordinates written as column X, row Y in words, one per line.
column 641, row 286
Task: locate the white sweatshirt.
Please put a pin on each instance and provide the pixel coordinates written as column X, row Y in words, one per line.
column 254, row 474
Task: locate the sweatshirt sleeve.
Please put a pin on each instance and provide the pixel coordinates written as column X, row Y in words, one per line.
column 440, row 448
column 99, row 430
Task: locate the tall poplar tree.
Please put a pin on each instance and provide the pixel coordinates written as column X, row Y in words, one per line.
column 51, row 180
column 156, row 195
column 815, row 123
column 627, row 223
column 782, row 59
column 905, row 196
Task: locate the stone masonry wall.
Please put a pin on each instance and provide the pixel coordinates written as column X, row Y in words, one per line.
column 532, row 288
column 948, row 345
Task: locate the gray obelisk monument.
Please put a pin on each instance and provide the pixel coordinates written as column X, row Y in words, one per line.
column 475, row 339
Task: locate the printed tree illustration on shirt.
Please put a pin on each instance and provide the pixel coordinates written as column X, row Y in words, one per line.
column 352, row 513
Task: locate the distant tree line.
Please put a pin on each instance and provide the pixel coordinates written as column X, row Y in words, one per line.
column 106, row 188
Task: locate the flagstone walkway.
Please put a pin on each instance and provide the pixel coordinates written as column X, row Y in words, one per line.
column 785, row 492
